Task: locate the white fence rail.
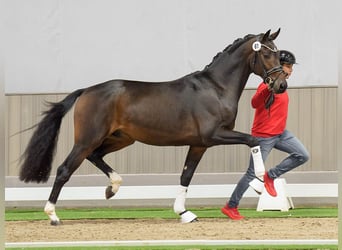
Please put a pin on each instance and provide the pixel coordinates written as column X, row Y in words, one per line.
column 162, row 192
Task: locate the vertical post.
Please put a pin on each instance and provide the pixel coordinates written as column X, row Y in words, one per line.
column 2, row 132
column 339, row 132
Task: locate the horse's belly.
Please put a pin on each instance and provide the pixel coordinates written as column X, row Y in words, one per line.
column 165, row 138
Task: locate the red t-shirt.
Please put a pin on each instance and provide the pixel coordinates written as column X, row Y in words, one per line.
column 269, row 122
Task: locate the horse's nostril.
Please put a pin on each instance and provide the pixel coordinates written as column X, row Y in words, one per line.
column 283, row 86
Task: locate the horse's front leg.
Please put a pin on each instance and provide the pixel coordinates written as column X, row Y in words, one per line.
column 259, row 170
column 227, row 137
column 193, row 158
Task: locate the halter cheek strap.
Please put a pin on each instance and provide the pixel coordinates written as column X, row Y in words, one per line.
column 266, row 76
column 269, row 80
column 267, row 73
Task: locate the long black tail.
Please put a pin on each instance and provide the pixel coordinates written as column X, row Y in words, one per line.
column 38, row 156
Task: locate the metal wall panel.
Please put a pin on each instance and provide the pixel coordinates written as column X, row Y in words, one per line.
column 312, row 118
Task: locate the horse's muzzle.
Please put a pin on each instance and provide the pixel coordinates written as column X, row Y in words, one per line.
column 280, row 88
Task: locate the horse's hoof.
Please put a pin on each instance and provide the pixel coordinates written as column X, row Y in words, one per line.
column 257, row 185
column 188, row 217
column 194, row 220
column 109, row 192
column 55, row 223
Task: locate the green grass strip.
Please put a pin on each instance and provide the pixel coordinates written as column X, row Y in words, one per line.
column 162, row 213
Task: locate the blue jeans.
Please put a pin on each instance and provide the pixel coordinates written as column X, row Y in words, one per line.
column 285, row 142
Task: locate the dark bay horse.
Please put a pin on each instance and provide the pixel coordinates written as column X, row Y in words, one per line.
column 198, row 110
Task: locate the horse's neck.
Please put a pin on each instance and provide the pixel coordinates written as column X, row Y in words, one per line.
column 230, row 77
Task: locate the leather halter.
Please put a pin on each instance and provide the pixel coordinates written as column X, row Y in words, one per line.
column 267, row 73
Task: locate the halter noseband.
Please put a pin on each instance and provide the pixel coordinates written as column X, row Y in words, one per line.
column 267, row 73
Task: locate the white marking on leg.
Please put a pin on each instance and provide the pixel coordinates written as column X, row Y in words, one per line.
column 50, row 211
column 259, row 167
column 116, row 181
column 179, row 205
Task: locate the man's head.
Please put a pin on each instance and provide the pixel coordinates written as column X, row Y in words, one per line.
column 287, row 59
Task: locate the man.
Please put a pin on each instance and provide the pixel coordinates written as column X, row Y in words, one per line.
column 269, row 127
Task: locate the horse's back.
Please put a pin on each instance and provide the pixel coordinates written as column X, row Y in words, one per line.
column 150, row 112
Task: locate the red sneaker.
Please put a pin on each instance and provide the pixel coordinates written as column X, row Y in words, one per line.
column 269, row 185
column 232, row 212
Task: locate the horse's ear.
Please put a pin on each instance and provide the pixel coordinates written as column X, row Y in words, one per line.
column 266, row 35
column 274, row 35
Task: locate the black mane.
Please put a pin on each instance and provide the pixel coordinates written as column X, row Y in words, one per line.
column 232, row 47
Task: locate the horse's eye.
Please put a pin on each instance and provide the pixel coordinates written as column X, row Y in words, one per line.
column 267, row 55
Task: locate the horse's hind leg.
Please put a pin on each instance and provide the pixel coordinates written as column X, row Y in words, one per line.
column 114, row 143
column 64, row 172
column 193, row 158
column 114, row 177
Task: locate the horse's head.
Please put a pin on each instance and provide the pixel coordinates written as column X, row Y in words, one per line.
column 265, row 61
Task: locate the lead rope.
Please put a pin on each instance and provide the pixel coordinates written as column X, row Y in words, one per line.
column 270, row 98
column 268, row 102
